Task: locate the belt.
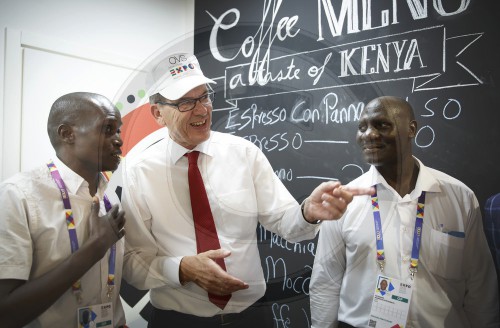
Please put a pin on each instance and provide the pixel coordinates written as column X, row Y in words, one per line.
column 160, row 316
column 228, row 318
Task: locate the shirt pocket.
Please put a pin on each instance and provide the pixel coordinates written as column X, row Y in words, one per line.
column 446, row 255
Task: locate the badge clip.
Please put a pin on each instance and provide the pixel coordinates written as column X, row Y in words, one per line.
column 412, row 272
column 110, row 291
column 381, row 264
column 78, row 295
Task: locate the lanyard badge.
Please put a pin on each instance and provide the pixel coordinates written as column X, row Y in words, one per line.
column 70, row 223
column 417, row 234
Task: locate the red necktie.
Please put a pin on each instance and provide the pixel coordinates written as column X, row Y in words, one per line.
column 206, row 234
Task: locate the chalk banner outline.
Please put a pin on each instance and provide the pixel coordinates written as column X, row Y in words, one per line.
column 433, row 67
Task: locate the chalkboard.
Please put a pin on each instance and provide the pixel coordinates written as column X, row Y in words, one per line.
column 293, row 77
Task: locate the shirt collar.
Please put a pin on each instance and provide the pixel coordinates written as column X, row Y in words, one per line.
column 74, row 182
column 177, row 151
column 425, row 180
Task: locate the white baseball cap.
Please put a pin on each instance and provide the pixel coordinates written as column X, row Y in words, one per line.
column 177, row 75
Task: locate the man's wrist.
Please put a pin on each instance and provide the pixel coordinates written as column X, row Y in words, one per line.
column 302, row 209
column 183, row 279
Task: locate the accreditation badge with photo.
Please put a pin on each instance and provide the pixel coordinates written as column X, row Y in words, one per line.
column 99, row 315
column 391, row 303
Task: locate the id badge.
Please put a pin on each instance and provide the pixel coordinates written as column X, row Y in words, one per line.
column 99, row 315
column 391, row 303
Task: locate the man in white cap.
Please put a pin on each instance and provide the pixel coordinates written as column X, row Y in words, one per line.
column 172, row 216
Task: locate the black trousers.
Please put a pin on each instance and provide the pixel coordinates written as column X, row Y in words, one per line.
column 257, row 315
column 345, row 325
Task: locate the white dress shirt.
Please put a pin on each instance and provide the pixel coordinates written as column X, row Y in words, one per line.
column 242, row 190
column 34, row 239
column 455, row 285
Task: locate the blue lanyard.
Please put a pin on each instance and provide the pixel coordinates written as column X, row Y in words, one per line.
column 417, row 233
column 70, row 222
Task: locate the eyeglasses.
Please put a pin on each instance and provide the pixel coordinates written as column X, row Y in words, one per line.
column 190, row 104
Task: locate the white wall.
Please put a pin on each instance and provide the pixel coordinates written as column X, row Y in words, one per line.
column 124, row 33
column 38, row 37
column 131, row 28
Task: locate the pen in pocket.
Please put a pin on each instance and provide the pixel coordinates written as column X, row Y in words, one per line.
column 458, row 234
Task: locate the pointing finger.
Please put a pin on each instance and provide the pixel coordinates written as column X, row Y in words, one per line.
column 358, row 191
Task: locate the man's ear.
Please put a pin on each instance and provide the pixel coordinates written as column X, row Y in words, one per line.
column 413, row 129
column 66, row 133
column 155, row 111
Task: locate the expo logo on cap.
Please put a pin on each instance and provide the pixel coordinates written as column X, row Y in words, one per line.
column 176, row 71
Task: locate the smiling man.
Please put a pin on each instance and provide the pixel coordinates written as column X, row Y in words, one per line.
column 421, row 229
column 194, row 199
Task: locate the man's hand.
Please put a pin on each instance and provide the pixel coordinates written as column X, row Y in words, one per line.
column 109, row 227
column 206, row 273
column 329, row 201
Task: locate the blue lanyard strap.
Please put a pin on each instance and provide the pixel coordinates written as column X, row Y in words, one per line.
column 70, row 223
column 112, row 254
column 417, row 234
column 379, row 237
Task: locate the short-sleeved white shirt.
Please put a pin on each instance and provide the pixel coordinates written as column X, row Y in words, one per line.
column 34, row 239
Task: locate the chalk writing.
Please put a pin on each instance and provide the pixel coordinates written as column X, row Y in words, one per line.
column 329, row 111
column 277, row 241
column 280, row 319
column 348, row 14
column 276, row 269
column 278, row 141
column 398, row 57
column 451, row 110
column 284, row 174
column 253, row 116
column 428, row 139
column 281, row 313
